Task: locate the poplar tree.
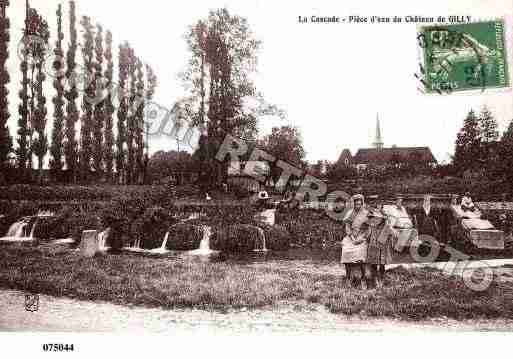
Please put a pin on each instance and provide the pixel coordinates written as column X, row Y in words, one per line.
column 86, row 123
column 22, row 151
column 99, row 105
column 131, row 117
column 139, row 116
column 5, row 138
column 151, row 85
column 33, row 104
column 108, row 146
column 57, row 147
column 72, row 112
column 122, row 113
column 40, row 143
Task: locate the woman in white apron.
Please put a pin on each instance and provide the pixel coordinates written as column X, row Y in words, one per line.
column 354, row 244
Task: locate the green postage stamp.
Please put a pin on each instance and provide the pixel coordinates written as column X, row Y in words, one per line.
column 459, row 57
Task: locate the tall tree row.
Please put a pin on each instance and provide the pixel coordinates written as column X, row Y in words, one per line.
column 57, row 146
column 5, row 137
column 82, row 139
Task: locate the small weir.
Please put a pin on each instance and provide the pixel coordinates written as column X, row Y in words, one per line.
column 204, row 247
column 260, row 245
column 24, row 229
column 102, row 240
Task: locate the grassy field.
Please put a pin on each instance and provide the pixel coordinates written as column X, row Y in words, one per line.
column 181, row 283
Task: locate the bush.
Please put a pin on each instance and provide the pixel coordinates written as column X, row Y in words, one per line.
column 237, row 238
column 312, row 229
column 184, row 237
column 277, row 238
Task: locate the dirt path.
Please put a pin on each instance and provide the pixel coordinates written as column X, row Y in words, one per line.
column 68, row 315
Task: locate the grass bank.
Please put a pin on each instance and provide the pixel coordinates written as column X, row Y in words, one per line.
column 181, row 283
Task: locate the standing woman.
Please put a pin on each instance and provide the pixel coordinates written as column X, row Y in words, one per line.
column 354, row 244
column 379, row 252
column 426, row 222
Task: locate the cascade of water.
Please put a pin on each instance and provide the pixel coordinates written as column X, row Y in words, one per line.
column 16, row 229
column 260, row 244
column 205, row 241
column 33, row 228
column 164, row 242
column 102, row 239
column 204, row 247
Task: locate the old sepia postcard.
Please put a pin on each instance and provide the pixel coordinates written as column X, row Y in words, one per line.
column 209, row 168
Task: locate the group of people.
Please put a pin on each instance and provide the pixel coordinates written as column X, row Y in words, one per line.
column 365, row 251
column 364, row 254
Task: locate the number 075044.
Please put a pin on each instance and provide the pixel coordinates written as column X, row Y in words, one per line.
column 58, row 347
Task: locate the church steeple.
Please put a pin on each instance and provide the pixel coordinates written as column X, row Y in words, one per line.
column 378, row 141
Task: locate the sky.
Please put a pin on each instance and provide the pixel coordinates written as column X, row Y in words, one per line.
column 331, row 79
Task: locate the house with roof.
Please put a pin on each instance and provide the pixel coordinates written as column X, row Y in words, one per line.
column 381, row 156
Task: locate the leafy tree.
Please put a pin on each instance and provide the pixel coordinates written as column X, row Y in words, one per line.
column 320, row 169
column 340, row 171
column 5, row 138
column 56, row 149
column 468, row 144
column 284, row 143
column 99, row 111
column 108, row 146
column 171, row 164
column 72, row 112
column 122, row 113
column 489, row 156
column 218, row 77
column 86, row 128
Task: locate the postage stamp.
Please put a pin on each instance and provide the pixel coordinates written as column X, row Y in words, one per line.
column 460, row 57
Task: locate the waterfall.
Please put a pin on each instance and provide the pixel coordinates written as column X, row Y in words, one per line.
column 204, row 247
column 260, row 245
column 205, row 241
column 33, row 228
column 164, row 242
column 137, row 244
column 102, row 239
column 17, row 229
